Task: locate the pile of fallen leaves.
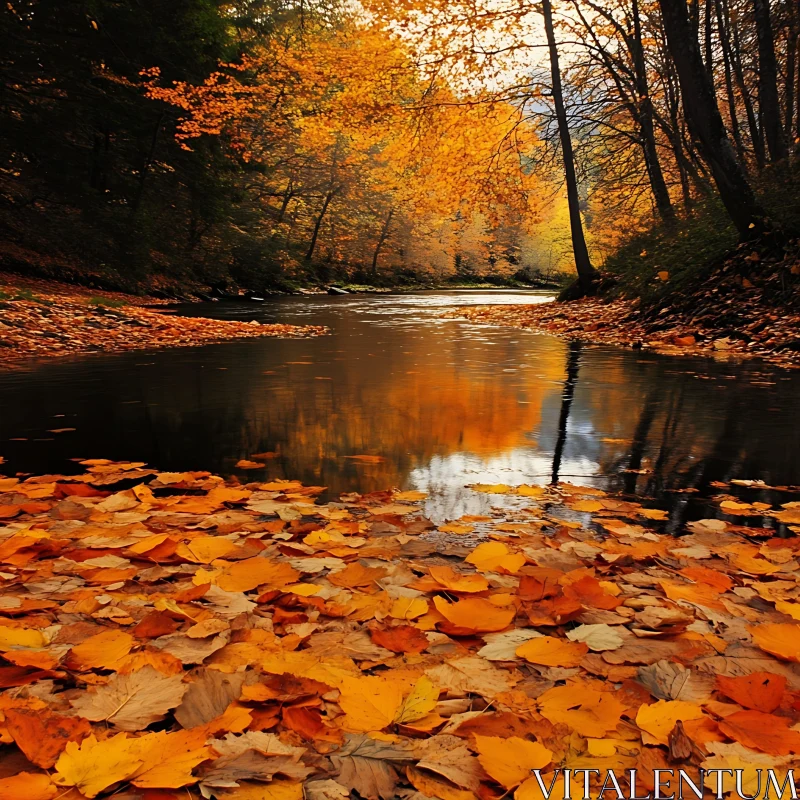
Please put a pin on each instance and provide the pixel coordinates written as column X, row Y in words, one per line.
column 171, row 631
column 721, row 324
column 56, row 320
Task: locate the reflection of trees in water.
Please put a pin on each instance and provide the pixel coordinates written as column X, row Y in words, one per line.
column 689, row 433
column 573, row 366
column 431, row 393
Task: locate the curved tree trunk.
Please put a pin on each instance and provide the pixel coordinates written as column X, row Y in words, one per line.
column 313, row 244
column 381, row 240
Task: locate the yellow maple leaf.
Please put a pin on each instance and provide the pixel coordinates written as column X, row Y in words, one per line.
column 495, row 557
column 409, row 607
column 370, row 703
column 93, row 766
column 169, row 758
column 420, row 702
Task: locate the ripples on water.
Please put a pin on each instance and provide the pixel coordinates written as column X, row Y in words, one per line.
column 444, row 402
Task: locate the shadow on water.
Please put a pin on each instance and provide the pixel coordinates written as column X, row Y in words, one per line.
column 444, row 403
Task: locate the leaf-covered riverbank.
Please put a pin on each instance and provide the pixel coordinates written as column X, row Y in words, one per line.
column 757, row 333
column 174, row 631
column 45, row 319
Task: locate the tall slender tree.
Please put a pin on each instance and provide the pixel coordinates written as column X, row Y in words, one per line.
column 768, row 83
column 587, row 275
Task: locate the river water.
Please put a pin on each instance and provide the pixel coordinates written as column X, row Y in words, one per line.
column 436, row 403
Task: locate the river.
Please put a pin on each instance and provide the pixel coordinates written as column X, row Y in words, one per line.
column 434, row 404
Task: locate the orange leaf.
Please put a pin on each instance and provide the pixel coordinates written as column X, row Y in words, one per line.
column 103, row 651
column 589, row 592
column 764, row 732
column 246, row 575
column 355, row 574
column 458, row 582
column 473, row 615
column 781, row 639
column 551, row 652
column 28, row 786
column 43, row 735
column 761, row 691
column 400, row 639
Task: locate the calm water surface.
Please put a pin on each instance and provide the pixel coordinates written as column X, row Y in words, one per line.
column 444, row 403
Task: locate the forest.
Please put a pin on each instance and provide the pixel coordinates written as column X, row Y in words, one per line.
column 269, row 145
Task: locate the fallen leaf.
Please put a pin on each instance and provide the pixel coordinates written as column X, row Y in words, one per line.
column 132, row 702
column 552, row 652
column 510, row 761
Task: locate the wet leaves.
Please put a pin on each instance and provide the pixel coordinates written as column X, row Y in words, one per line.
column 245, row 642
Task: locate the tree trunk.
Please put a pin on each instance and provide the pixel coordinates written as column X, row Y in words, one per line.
column 381, row 240
column 705, row 123
column 707, row 40
column 731, row 97
column 736, row 62
column 645, row 114
column 313, row 244
column 791, row 75
column 769, row 104
column 287, row 198
column 587, row 274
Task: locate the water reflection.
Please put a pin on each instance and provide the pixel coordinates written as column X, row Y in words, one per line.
column 444, row 403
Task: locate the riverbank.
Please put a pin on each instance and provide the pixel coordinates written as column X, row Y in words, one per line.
column 46, row 319
column 723, row 326
column 177, row 631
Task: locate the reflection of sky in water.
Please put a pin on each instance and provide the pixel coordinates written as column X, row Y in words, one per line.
column 445, row 479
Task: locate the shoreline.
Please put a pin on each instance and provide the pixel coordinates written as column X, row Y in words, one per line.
column 771, row 337
column 45, row 319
